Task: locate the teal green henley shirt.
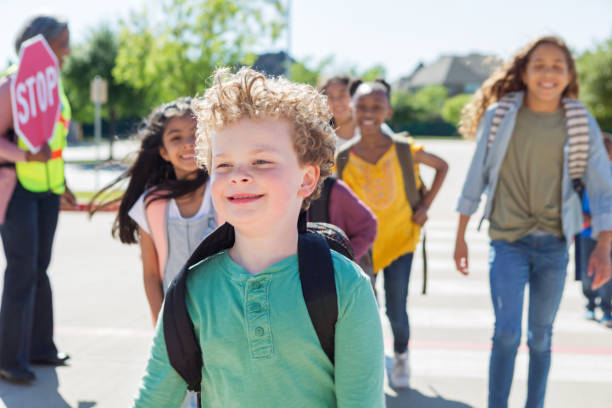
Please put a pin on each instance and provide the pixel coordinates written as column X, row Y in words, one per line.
column 260, row 348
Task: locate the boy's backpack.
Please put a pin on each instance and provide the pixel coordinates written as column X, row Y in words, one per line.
column 402, row 142
column 577, row 130
column 316, row 273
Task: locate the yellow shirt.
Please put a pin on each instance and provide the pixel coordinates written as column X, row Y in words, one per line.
column 381, row 187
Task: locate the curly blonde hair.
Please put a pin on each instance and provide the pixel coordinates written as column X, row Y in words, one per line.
column 507, row 79
column 249, row 94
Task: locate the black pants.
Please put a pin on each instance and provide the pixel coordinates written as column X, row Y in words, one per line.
column 26, row 313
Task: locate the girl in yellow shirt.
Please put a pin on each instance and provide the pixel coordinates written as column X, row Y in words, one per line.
column 374, row 173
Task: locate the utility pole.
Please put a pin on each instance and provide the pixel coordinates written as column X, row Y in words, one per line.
column 288, row 51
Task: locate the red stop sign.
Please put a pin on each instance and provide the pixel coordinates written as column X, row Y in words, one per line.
column 35, row 94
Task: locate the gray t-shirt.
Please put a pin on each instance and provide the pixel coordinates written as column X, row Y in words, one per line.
column 528, row 193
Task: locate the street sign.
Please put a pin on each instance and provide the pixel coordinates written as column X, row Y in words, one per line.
column 98, row 90
column 34, row 93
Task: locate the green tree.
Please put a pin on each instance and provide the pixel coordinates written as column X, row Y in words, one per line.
column 404, row 111
column 301, row 71
column 176, row 56
column 96, row 56
column 595, row 72
column 372, row 73
column 451, row 110
column 428, row 102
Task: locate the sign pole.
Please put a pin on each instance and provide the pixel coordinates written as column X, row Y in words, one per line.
column 97, row 137
column 99, row 95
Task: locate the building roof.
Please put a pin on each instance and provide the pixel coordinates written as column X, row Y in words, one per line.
column 272, row 64
column 452, row 70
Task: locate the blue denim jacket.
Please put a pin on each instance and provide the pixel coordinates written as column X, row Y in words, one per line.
column 484, row 172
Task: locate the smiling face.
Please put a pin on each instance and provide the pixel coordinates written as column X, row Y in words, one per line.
column 339, row 101
column 178, row 145
column 372, row 109
column 256, row 180
column 61, row 46
column 546, row 76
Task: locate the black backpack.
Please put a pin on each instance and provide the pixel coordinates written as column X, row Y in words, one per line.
column 316, row 277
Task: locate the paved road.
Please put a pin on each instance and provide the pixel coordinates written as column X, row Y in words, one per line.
column 102, row 319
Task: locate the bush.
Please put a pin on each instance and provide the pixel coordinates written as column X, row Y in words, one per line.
column 451, row 110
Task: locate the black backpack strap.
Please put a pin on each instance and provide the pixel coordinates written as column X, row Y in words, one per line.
column 319, row 208
column 182, row 344
column 319, row 288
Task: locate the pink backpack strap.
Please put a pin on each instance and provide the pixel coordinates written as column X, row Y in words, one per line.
column 156, row 218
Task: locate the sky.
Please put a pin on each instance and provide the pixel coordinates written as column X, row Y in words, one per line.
column 359, row 33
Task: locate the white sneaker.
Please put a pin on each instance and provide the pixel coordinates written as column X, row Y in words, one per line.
column 400, row 373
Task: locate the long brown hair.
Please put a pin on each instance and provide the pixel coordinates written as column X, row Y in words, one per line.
column 507, row 79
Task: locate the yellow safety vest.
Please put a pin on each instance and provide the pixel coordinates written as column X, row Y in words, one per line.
column 40, row 177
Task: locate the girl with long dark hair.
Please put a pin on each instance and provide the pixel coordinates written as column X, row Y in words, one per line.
column 166, row 206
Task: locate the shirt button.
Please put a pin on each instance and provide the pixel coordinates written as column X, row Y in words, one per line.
column 259, row 331
column 256, row 285
column 254, row 307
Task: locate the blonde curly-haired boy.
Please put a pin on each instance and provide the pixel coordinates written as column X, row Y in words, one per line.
column 267, row 146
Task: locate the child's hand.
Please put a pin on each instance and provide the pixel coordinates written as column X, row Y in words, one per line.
column 420, row 216
column 461, row 256
column 599, row 265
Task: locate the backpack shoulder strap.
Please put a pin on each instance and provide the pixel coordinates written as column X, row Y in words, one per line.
column 184, row 352
column 577, row 129
column 342, row 157
column 404, row 154
column 316, row 270
column 319, row 208
column 503, row 106
column 156, row 214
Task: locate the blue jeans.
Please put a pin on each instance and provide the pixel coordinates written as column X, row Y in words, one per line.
column 541, row 262
column 397, row 277
column 584, row 248
column 26, row 313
